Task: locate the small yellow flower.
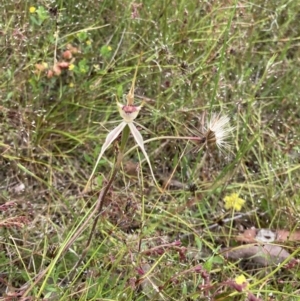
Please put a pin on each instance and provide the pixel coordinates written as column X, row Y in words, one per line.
column 88, row 42
column 96, row 67
column 233, row 201
column 109, row 48
column 71, row 67
column 32, row 9
column 71, row 85
column 241, row 280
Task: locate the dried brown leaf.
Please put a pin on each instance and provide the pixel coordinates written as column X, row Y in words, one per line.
column 264, row 255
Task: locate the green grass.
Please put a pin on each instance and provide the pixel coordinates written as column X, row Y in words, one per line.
column 239, row 59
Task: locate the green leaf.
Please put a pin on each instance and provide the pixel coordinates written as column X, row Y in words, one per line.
column 83, row 66
column 42, row 14
column 82, row 36
column 120, row 91
column 106, row 51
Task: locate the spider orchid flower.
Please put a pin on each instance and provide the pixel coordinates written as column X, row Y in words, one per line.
column 128, row 113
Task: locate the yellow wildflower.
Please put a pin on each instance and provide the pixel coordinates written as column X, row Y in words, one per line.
column 71, row 67
column 32, row 9
column 88, row 42
column 241, row 280
column 109, row 48
column 96, row 67
column 233, row 201
column 71, row 85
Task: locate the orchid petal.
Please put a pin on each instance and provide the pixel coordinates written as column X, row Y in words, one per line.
column 111, row 136
column 139, row 140
column 130, row 95
column 128, row 113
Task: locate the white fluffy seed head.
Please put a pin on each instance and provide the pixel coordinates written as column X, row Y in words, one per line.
column 218, row 131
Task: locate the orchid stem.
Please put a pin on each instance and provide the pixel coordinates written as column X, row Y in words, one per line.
column 101, row 198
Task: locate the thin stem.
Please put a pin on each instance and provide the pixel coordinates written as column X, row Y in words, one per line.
column 200, row 139
column 98, row 210
column 101, row 198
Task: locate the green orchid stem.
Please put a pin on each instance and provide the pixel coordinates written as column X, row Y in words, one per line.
column 125, row 136
column 124, row 139
column 97, row 211
column 102, row 195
